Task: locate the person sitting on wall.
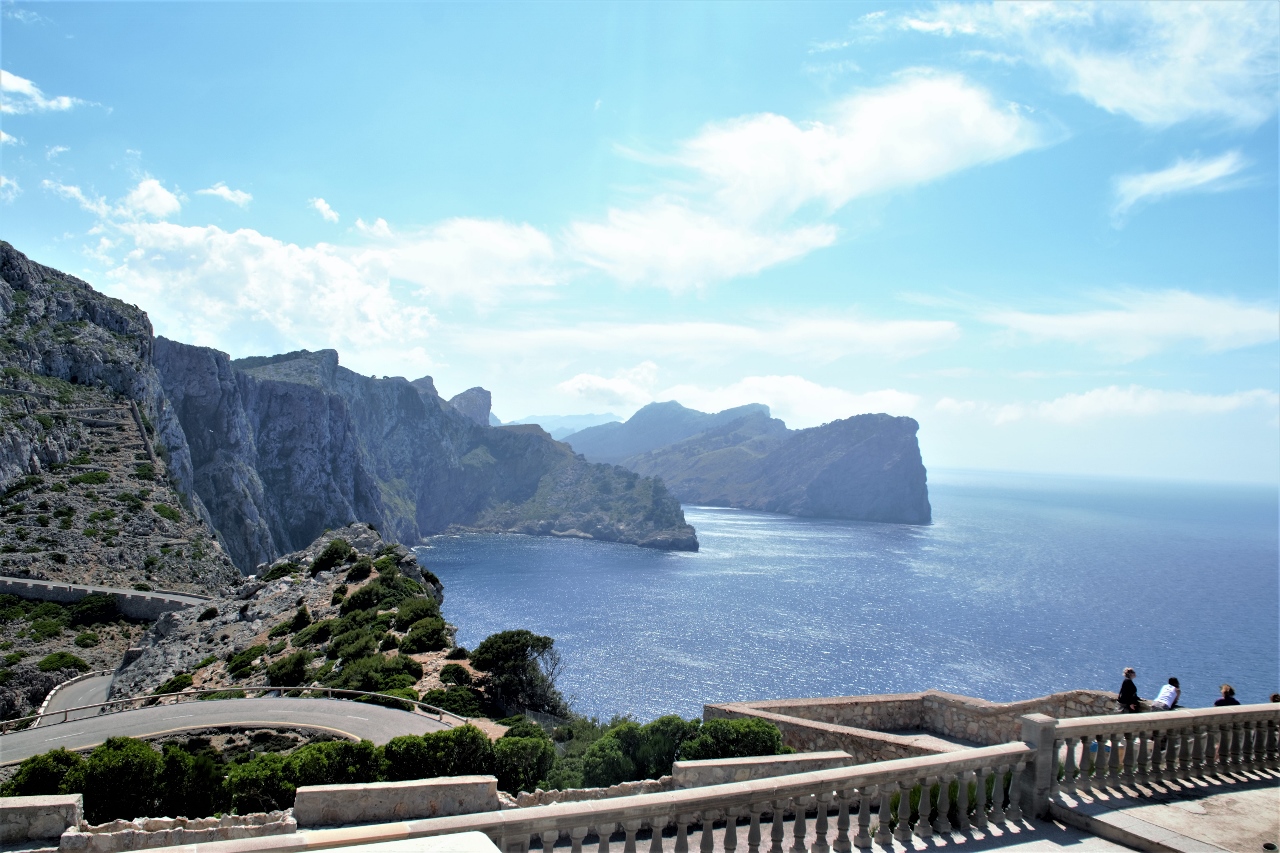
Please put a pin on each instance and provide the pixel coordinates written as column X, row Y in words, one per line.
column 1167, row 698
column 1128, row 698
column 1228, row 696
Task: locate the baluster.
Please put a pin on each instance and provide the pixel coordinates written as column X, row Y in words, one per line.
column 515, row 844
column 924, row 826
column 1101, row 762
column 862, row 840
column 1273, row 744
column 604, row 832
column 980, row 801
column 731, row 830
column 577, row 834
column 962, row 803
column 1113, row 761
column 682, row 833
column 902, row 831
column 1237, row 744
column 1212, row 739
column 630, row 827
column 1257, row 756
column 1084, row 778
column 708, row 837
column 1251, row 749
column 551, row 836
column 1172, row 741
column 1197, row 751
column 1143, row 757
column 656, row 825
column 842, row 843
column 883, row 816
column 1071, row 770
column 820, row 825
column 1126, row 772
column 942, row 823
column 1187, row 743
column 799, row 827
column 1014, row 811
column 997, row 794
column 777, row 831
column 1224, row 749
column 753, row 834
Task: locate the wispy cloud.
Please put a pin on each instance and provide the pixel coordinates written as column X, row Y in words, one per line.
column 1143, row 323
column 9, row 189
column 96, row 205
column 1114, row 401
column 19, row 95
column 625, row 389
column 239, row 198
column 9, row 139
column 24, row 16
column 52, row 152
column 754, row 175
column 1160, row 63
column 322, row 207
column 1194, row 175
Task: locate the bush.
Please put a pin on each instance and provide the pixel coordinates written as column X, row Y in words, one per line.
column 521, row 763
column 278, row 631
column 120, row 777
column 281, row 571
column 458, row 653
column 459, row 751
column 86, row 639
column 207, row 614
column 167, row 512
column 521, row 669
column 289, row 671
column 301, row 619
column 391, row 698
column 42, row 775
column 462, row 701
column 45, row 629
column 604, row 763
column 333, row 555
column 260, row 785
column 191, row 785
column 426, row 635
column 525, row 727
column 240, row 664
column 316, row 632
column 732, row 739
column 414, row 610
column 377, row 674
column 181, row 681
column 223, row 694
column 382, row 593
column 206, row 661
column 142, row 587
column 661, row 744
column 361, row 570
column 90, row 478
column 62, row 660
column 337, row 762
column 352, row 645
column 452, row 673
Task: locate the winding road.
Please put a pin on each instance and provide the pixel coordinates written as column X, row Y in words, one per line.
column 342, row 717
column 90, row 691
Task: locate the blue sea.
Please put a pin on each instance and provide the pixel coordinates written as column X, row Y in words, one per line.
column 1022, row 586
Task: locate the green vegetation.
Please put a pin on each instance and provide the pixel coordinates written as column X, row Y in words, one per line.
column 167, row 512
column 90, row 478
column 521, row 669
column 240, row 664
column 86, row 639
column 283, row 570
column 462, row 701
column 453, row 673
column 335, row 553
column 178, row 683
column 144, row 471
column 289, row 671
column 207, row 614
column 61, row 660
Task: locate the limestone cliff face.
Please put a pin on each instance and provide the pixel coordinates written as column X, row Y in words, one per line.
column 475, row 404
column 294, row 444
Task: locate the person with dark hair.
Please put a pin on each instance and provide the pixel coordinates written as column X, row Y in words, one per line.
column 1275, row 697
column 1167, row 698
column 1228, row 696
column 1128, row 698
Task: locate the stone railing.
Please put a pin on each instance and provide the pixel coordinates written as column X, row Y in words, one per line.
column 1164, row 746
column 132, row 603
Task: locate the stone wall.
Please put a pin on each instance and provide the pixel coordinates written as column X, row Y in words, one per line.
column 719, row 771
column 27, row 819
column 135, row 605
column 524, row 799
column 379, row 802
column 147, row 833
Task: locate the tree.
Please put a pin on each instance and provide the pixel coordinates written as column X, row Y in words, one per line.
column 521, row 671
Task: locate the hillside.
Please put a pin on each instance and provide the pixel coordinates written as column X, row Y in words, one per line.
column 656, row 425
column 865, row 468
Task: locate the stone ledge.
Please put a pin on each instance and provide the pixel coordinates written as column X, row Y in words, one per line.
column 24, row 819
column 380, row 802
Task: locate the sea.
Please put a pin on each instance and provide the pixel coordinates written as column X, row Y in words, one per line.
column 1022, row 586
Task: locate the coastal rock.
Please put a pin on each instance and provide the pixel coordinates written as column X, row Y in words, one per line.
column 475, row 404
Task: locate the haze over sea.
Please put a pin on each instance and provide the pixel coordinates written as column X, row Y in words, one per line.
column 1022, row 586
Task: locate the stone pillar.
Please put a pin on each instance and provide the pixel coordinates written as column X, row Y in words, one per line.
column 1038, row 732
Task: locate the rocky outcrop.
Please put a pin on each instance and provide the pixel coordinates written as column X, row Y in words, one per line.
column 475, row 404
column 865, row 468
column 656, row 425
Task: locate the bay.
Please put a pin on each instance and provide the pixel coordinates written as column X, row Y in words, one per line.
column 1022, row 586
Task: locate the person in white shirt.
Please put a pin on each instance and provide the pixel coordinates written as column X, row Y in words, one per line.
column 1167, row 698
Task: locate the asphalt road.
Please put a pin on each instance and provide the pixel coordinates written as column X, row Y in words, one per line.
column 91, row 691
column 356, row 719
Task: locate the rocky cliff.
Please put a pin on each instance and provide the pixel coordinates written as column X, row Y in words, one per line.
column 865, row 468
column 656, row 425
column 293, row 444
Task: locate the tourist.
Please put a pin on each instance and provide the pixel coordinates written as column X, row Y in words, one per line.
column 1228, row 696
column 1128, row 698
column 1275, row 697
column 1167, row 698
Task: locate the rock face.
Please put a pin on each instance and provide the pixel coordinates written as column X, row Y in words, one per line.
column 865, row 468
column 293, row 444
column 656, row 425
column 474, row 404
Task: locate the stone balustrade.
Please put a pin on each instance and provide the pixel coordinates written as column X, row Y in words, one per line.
column 1164, row 746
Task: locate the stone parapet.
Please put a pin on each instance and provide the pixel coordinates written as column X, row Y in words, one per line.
column 27, row 819
column 526, row 799
column 379, row 802
column 149, row 833
column 134, row 604
column 692, row 774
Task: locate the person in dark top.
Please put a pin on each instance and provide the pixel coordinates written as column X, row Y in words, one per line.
column 1128, row 697
column 1228, row 696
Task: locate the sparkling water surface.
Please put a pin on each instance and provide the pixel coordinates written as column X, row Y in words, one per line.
column 1022, row 586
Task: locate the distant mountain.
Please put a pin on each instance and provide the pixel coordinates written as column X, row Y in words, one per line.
column 654, row 426
column 865, row 468
column 562, row 425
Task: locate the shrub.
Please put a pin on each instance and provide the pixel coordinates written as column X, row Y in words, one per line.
column 86, row 639
column 58, row 557
column 453, row 673
column 223, row 694
column 521, row 669
column 120, row 777
column 301, row 619
column 389, row 643
column 337, row 762
column 339, row 593
column 426, row 635
column 414, row 610
column 144, row 471
column 42, row 774
column 181, row 681
column 281, row 571
column 90, row 478
column 206, row 661
column 289, row 671
column 332, row 555
column 62, row 660
column 207, row 614
column 732, row 739
column 457, row 653
column 376, row 673
column 45, row 629
column 521, row 762
column 94, row 609
column 167, row 512
column 279, row 631
column 240, row 664
column 604, row 763
column 260, row 785
column 316, row 632
column 459, row 751
column 390, row 698
column 352, row 645
column 191, row 785
column 142, row 587
column 525, row 727
column 462, row 701
column 361, row 570
column 382, row 593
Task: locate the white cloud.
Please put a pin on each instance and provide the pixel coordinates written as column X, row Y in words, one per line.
column 794, row 399
column 19, row 95
column 1133, row 401
column 1196, row 175
column 327, row 212
column 52, row 152
column 9, row 189
column 97, row 206
column 1159, row 63
column 754, row 173
column 1143, row 323
column 149, row 198
column 239, row 198
column 627, row 389
column 9, row 139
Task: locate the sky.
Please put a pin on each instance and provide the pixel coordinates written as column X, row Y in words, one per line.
column 1048, row 232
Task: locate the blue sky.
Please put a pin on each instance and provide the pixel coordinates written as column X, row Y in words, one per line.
column 1048, row 232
